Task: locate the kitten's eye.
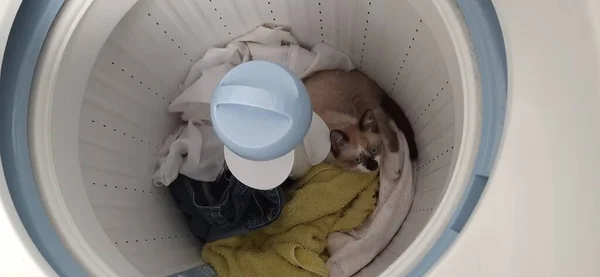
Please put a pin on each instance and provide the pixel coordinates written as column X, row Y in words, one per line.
column 374, row 150
column 358, row 160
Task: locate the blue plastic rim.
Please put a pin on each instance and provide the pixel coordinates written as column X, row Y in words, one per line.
column 487, row 40
column 23, row 48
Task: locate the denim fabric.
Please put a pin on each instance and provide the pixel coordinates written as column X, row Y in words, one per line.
column 226, row 207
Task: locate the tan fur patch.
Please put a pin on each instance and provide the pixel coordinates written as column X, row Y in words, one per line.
column 341, row 98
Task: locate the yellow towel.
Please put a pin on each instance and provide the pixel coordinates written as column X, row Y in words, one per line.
column 327, row 200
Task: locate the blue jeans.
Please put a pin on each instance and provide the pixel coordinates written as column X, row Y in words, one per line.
column 225, row 207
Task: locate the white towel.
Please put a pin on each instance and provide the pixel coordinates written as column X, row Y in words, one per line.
column 194, row 151
column 352, row 251
column 269, row 43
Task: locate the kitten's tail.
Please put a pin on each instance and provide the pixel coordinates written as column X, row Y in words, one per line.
column 397, row 114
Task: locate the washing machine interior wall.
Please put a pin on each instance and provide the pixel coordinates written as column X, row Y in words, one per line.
column 124, row 116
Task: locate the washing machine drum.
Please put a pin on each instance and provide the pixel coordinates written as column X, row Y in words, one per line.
column 107, row 73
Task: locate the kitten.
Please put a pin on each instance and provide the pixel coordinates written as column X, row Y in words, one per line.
column 351, row 105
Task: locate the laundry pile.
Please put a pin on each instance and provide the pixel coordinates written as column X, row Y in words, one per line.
column 181, row 151
column 328, row 200
column 327, row 223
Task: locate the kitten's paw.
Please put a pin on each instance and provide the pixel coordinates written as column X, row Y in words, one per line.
column 396, row 175
column 399, row 173
column 392, row 166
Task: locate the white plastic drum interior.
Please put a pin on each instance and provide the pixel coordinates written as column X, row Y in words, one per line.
column 113, row 67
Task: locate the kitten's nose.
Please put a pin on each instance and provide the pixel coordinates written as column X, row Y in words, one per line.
column 371, row 164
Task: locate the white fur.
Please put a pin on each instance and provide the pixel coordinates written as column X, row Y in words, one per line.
column 362, row 168
column 378, row 159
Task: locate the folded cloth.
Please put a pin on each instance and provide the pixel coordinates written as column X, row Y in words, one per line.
column 326, row 200
column 226, row 207
column 351, row 251
column 194, row 151
column 269, row 43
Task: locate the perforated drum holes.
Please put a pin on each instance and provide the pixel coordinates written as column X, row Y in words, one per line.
column 114, row 130
column 364, row 42
column 425, row 109
column 217, row 13
column 154, row 239
column 321, row 22
column 406, row 54
column 431, row 160
column 421, row 210
column 163, row 192
column 132, row 77
column 272, row 14
column 166, row 33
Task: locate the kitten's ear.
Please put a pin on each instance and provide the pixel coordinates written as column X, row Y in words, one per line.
column 338, row 140
column 368, row 122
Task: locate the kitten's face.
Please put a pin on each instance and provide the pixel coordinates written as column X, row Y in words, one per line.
column 358, row 147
